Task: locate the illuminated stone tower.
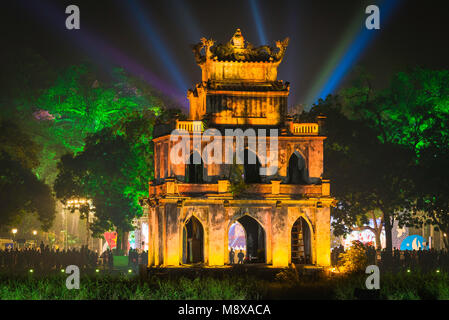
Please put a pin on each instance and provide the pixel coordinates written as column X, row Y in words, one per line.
column 285, row 213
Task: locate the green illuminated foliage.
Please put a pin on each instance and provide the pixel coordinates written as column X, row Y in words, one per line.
column 81, row 102
column 404, row 169
column 61, row 110
column 403, row 113
column 113, row 170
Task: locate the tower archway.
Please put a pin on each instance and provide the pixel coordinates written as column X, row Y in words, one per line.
column 254, row 243
column 296, row 170
column 236, row 241
column 301, row 249
column 193, row 241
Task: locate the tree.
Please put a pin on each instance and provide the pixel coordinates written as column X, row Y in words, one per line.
column 21, row 192
column 369, row 177
column 82, row 101
column 113, row 171
column 60, row 109
column 412, row 112
column 432, row 179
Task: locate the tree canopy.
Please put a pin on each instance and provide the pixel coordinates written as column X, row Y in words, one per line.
column 113, row 170
column 384, row 150
column 21, row 192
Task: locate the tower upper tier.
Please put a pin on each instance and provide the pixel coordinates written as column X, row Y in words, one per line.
column 239, row 60
column 239, row 82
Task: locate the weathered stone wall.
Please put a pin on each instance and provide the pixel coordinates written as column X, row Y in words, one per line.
column 310, row 148
column 276, row 221
column 323, row 239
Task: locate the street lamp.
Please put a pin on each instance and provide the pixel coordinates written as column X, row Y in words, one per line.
column 35, row 240
column 14, row 231
column 76, row 203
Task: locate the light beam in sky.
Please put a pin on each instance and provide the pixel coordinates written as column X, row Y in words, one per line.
column 154, row 44
column 99, row 51
column 258, row 20
column 348, row 53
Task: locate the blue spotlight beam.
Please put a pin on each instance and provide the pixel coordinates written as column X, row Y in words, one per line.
column 186, row 22
column 355, row 50
column 101, row 52
column 258, row 20
column 155, row 44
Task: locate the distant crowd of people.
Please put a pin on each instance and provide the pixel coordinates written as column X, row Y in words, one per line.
column 136, row 257
column 402, row 260
column 423, row 260
column 45, row 258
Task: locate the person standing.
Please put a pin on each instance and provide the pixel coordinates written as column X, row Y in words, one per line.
column 240, row 255
column 231, row 256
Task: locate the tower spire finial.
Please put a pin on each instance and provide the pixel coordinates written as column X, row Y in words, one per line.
column 237, row 40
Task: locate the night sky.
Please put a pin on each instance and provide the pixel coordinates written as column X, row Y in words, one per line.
column 155, row 37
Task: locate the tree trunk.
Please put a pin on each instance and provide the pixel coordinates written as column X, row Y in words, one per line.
column 87, row 230
column 118, row 248
column 377, row 231
column 388, row 233
column 377, row 234
column 125, row 242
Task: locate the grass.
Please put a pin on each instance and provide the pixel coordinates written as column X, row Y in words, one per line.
column 401, row 286
column 121, row 287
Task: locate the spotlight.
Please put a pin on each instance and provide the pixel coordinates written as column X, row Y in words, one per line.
column 62, row 270
column 350, row 53
column 97, row 270
column 130, row 271
column 438, row 271
column 258, row 20
column 155, row 44
column 408, row 270
column 31, row 270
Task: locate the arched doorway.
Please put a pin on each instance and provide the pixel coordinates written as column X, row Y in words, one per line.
column 194, row 169
column 296, row 169
column 193, row 241
column 236, row 241
column 253, row 244
column 301, row 246
column 251, row 167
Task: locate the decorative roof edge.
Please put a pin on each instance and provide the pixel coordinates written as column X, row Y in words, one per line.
column 239, row 50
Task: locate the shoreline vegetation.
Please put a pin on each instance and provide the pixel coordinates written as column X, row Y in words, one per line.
column 286, row 285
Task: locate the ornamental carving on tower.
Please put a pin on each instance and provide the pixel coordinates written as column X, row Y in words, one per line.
column 239, row 49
